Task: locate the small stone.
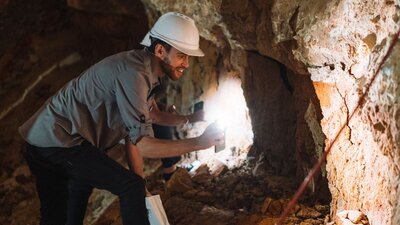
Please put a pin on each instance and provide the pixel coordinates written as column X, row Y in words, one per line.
column 203, row 168
column 275, row 208
column 219, row 213
column 294, row 209
column 266, row 203
column 22, row 170
column 324, row 209
column 342, row 214
column 217, row 168
column 341, row 220
column 347, row 217
column 308, row 213
column 180, row 182
column 202, row 174
column 355, row 216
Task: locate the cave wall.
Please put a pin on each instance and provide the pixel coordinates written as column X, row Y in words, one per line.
column 239, row 33
column 330, row 51
column 338, row 45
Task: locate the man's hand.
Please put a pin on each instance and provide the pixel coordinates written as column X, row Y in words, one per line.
column 213, row 135
column 157, row 148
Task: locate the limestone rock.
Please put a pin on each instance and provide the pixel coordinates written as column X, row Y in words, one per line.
column 275, row 208
column 180, row 182
column 306, row 212
column 351, row 217
column 324, row 209
column 267, row 202
column 355, row 216
column 202, row 174
column 215, row 212
column 217, row 168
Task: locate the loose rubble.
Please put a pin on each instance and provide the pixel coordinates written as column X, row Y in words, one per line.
column 226, row 197
column 350, row 217
column 222, row 196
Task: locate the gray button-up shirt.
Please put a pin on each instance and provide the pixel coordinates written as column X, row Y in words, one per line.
column 106, row 103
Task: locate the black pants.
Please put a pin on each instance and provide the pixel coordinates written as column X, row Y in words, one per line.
column 65, row 178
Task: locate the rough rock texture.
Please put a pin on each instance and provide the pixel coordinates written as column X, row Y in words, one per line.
column 338, row 44
column 329, row 51
column 350, row 217
column 233, row 197
column 276, row 96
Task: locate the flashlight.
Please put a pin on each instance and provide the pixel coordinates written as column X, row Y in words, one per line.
column 198, row 106
column 220, row 147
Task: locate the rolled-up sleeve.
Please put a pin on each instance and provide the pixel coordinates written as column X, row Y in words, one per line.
column 131, row 90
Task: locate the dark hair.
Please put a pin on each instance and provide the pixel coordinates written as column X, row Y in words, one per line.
column 154, row 41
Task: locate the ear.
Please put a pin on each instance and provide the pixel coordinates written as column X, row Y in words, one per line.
column 160, row 51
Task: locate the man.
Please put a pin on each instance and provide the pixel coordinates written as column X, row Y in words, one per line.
column 110, row 101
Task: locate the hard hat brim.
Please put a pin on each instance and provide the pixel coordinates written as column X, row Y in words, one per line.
column 191, row 52
column 146, row 40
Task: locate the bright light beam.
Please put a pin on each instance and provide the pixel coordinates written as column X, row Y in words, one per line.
column 228, row 107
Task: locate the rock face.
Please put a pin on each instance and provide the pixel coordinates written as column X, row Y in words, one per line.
column 338, row 45
column 303, row 67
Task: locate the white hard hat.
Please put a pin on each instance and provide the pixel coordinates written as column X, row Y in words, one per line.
column 178, row 30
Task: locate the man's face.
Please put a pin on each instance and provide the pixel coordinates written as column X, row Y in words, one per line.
column 174, row 63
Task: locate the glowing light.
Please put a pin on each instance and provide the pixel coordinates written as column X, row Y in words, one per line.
column 228, row 106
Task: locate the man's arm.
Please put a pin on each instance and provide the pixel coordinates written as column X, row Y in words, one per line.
column 156, row 148
column 134, row 159
column 169, row 119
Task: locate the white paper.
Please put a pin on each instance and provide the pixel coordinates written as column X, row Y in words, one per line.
column 157, row 214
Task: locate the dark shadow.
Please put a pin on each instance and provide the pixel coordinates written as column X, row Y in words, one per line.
column 278, row 100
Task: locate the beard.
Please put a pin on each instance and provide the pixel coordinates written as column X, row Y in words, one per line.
column 170, row 71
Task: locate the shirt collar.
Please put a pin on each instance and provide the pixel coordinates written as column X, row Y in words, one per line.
column 154, row 78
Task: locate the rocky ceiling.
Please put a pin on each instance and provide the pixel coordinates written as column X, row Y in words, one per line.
column 315, row 75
